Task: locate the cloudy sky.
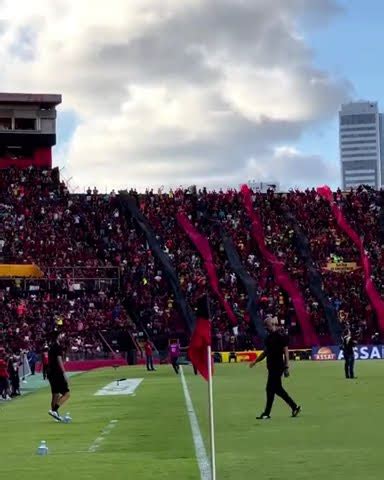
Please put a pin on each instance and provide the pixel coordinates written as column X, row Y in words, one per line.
column 177, row 92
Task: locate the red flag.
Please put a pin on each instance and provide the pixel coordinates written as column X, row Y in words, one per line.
column 198, row 348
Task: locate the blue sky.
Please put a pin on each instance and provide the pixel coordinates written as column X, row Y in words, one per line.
column 67, row 123
column 350, row 47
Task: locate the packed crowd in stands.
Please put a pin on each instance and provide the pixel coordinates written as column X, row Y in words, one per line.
column 100, row 275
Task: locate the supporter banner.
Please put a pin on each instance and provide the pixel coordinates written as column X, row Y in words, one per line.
column 282, row 278
column 342, row 267
column 362, row 352
column 129, row 207
column 249, row 284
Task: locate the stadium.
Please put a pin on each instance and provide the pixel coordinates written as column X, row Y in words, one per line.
column 156, row 304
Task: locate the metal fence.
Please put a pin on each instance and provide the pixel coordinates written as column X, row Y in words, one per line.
column 69, row 278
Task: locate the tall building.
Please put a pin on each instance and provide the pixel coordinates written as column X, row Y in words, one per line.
column 361, row 145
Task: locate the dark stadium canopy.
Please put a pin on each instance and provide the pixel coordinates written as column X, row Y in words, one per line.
column 49, row 100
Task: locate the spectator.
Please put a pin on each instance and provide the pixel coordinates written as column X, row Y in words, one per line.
column 149, row 355
column 32, row 360
column 3, row 375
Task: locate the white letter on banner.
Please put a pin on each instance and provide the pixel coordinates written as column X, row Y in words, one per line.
column 375, row 353
column 364, row 353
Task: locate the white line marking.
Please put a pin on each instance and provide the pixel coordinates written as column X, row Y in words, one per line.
column 201, row 453
column 99, row 440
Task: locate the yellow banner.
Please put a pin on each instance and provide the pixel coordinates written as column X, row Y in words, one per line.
column 342, row 267
column 18, row 270
column 248, row 356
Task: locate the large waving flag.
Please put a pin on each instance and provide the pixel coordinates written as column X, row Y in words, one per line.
column 372, row 293
column 315, row 281
column 202, row 245
column 282, row 278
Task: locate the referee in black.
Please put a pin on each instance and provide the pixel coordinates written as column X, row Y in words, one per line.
column 56, row 376
column 349, row 354
column 277, row 355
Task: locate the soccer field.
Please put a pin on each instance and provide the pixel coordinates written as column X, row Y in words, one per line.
column 148, row 435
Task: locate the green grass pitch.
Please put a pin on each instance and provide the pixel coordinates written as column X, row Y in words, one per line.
column 339, row 434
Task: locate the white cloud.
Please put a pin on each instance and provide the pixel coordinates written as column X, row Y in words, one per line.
column 174, row 91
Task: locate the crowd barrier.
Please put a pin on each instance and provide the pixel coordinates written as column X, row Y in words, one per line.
column 82, row 365
column 85, row 365
column 251, row 355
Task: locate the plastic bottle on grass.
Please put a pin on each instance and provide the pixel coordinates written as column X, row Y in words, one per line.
column 43, row 449
column 67, row 418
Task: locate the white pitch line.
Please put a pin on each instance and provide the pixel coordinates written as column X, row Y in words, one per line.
column 99, row 440
column 201, row 453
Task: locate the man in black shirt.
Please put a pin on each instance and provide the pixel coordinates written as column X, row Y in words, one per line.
column 57, row 377
column 277, row 355
column 349, row 355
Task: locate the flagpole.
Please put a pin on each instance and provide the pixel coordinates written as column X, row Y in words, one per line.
column 211, row 415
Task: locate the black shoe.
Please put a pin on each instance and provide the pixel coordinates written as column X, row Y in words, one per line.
column 263, row 416
column 296, row 411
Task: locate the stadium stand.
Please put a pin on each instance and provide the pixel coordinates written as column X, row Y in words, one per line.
column 101, row 276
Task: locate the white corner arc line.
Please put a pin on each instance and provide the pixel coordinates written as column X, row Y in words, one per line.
column 99, row 440
column 201, row 453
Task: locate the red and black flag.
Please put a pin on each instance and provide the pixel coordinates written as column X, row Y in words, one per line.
column 201, row 338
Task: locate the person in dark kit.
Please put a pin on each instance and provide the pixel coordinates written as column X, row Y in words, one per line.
column 56, row 376
column 148, row 347
column 201, row 309
column 4, row 375
column 375, row 338
column 349, row 355
column 174, row 354
column 232, row 344
column 232, row 356
column 277, row 355
column 44, row 361
column 14, row 377
column 32, row 360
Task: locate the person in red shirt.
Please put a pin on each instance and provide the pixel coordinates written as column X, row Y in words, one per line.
column 3, row 375
column 44, row 361
column 148, row 347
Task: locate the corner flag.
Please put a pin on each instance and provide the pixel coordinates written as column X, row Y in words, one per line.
column 201, row 337
column 200, row 354
column 200, row 341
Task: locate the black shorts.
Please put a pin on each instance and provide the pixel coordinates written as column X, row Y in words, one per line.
column 3, row 384
column 59, row 384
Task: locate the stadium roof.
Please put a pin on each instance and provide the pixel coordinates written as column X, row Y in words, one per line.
column 34, row 98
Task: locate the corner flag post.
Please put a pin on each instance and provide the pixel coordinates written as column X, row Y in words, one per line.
column 211, row 414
